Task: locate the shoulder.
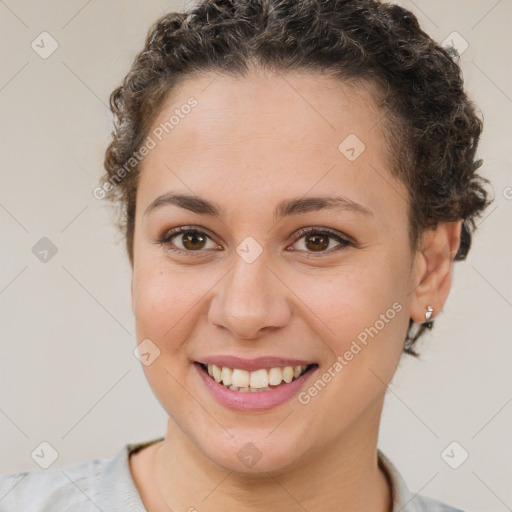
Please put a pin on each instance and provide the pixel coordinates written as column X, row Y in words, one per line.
column 52, row 490
column 405, row 500
column 427, row 504
column 101, row 484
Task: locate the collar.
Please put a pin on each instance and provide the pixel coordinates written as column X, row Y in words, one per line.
column 402, row 498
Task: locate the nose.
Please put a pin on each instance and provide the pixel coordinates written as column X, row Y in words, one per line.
column 250, row 301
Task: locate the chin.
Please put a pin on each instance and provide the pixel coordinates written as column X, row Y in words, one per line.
column 252, row 458
column 252, row 450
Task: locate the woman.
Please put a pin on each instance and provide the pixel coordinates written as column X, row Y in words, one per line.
column 294, row 180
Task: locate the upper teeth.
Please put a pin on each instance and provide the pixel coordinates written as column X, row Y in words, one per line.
column 257, row 379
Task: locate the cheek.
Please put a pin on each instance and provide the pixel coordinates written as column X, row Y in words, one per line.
column 164, row 308
column 155, row 304
column 361, row 314
column 167, row 302
column 357, row 296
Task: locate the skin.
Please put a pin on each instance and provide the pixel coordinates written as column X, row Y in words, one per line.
column 248, row 144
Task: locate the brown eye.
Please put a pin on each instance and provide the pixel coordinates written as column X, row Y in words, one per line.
column 193, row 241
column 316, row 242
column 319, row 241
column 185, row 240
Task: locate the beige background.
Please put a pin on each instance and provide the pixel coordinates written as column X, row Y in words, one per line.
column 68, row 374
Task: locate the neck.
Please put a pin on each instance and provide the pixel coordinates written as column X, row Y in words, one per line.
column 343, row 477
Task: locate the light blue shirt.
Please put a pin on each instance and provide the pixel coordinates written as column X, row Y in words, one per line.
column 106, row 485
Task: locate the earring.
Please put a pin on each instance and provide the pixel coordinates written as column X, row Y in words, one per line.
column 428, row 315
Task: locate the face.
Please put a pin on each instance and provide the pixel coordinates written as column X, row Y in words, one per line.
column 323, row 282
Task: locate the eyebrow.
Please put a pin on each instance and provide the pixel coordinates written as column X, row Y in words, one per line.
column 284, row 208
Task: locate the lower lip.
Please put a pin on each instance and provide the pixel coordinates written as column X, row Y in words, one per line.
column 253, row 401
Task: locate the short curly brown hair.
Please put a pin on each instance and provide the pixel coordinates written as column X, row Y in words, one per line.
column 430, row 121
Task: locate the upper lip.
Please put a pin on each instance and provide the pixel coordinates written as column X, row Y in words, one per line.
column 252, row 364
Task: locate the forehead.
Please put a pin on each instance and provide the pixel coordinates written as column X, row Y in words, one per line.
column 267, row 136
column 301, row 107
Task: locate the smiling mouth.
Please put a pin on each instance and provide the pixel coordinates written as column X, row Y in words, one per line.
column 264, row 379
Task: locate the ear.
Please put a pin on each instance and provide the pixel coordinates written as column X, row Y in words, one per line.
column 432, row 268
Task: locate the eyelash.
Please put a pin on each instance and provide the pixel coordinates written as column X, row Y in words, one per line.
column 165, row 240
